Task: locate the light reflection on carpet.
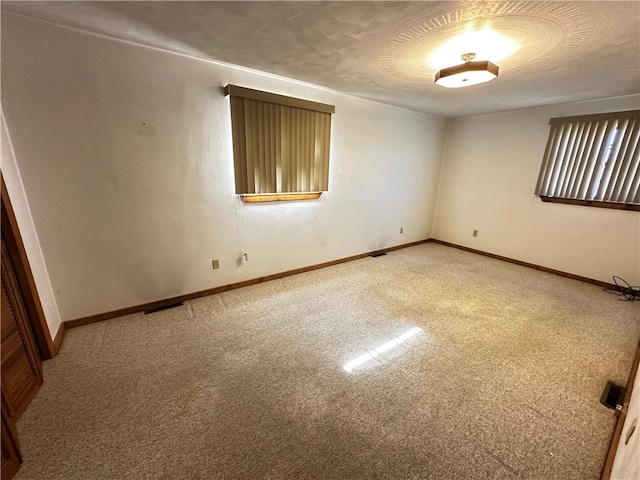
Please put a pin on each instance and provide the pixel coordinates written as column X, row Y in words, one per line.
column 371, row 354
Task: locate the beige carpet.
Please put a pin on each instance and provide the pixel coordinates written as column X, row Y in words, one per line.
column 502, row 380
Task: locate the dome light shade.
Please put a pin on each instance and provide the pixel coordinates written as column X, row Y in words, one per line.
column 466, row 74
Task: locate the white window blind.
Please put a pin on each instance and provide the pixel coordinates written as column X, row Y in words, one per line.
column 593, row 159
column 280, row 144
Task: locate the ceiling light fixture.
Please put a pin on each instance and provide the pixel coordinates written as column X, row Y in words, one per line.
column 468, row 73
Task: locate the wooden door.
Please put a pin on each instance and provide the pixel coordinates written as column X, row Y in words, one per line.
column 25, row 336
column 21, row 363
column 11, row 458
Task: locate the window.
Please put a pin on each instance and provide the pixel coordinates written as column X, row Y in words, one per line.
column 280, row 145
column 593, row 160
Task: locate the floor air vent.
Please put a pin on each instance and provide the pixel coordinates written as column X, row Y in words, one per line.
column 164, row 307
column 613, row 396
column 378, row 254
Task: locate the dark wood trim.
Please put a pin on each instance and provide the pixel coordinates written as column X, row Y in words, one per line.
column 161, row 303
column 27, row 284
column 529, row 265
column 182, row 298
column 278, row 197
column 617, row 432
column 592, row 203
column 57, row 342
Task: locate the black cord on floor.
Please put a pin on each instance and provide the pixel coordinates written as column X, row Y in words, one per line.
column 624, row 289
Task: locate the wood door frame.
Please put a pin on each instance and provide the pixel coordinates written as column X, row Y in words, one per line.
column 18, row 255
column 28, row 386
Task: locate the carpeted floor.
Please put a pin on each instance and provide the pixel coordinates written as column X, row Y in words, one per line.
column 501, row 381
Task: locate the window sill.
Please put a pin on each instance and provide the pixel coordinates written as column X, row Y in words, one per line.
column 278, row 197
column 593, row 203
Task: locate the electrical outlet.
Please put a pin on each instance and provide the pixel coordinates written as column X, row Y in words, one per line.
column 475, row 233
column 215, row 263
column 401, row 229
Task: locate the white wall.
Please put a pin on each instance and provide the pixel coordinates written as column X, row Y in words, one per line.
column 28, row 232
column 125, row 154
column 490, row 168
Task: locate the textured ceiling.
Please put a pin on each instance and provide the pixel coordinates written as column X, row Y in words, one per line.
column 385, row 51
